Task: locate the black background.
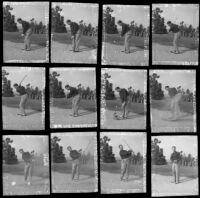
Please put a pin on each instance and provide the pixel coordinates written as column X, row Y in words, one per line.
column 98, row 66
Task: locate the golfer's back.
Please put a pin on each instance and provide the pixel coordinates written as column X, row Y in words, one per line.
column 26, row 156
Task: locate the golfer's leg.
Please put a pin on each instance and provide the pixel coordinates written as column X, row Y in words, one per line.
column 175, row 42
column 73, row 169
column 73, row 43
column 177, row 173
column 25, row 41
column 123, row 109
column 127, row 168
column 21, row 105
column 126, row 42
column 173, row 173
column 23, row 102
column 78, row 38
column 73, row 105
column 122, row 169
column 25, row 172
column 78, row 171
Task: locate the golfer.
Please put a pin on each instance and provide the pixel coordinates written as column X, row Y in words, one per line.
column 175, row 159
column 28, row 159
column 76, row 34
column 24, row 97
column 177, row 34
column 27, row 32
column 124, row 97
column 76, row 162
column 76, row 98
column 127, row 33
column 125, row 162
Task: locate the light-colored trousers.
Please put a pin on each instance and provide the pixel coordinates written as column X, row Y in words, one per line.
column 22, row 103
column 76, row 41
column 125, row 165
column 75, row 104
column 127, row 40
column 176, row 172
column 175, row 41
column 175, row 105
column 28, row 171
column 76, row 168
column 27, row 39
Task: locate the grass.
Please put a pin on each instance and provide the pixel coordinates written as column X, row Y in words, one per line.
column 66, row 168
column 64, row 103
column 18, row 169
column 38, row 39
column 167, row 39
column 115, row 168
column 138, row 108
column 13, row 102
column 185, row 171
column 116, row 39
column 163, row 105
column 65, row 38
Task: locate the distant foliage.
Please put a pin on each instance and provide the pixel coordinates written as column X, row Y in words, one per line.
column 155, row 87
column 57, row 21
column 7, row 91
column 109, row 22
column 106, row 152
column 158, row 22
column 9, row 24
column 108, row 87
column 157, row 157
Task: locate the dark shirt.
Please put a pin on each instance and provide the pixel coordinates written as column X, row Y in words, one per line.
column 172, row 92
column 21, row 90
column 73, row 92
column 125, row 29
column 25, row 26
column 174, row 28
column 27, row 157
column 74, row 154
column 123, row 95
column 175, row 156
column 74, row 28
column 125, row 154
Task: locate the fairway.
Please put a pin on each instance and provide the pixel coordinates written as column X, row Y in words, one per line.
column 13, row 45
column 162, row 44
column 61, row 49
column 61, row 178
column 113, row 45
column 110, row 179
column 162, row 180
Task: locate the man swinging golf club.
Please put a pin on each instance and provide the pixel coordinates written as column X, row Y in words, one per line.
column 24, row 97
column 27, row 32
column 125, row 162
column 177, row 34
column 76, row 162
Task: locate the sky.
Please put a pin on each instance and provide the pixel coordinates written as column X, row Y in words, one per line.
column 28, row 143
column 187, row 144
column 79, row 140
column 173, row 78
column 28, row 10
column 126, row 78
column 87, row 12
column 128, row 13
column 35, row 76
column 189, row 13
column 137, row 141
column 74, row 76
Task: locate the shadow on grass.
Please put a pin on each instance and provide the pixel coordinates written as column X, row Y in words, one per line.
column 85, row 113
column 32, row 113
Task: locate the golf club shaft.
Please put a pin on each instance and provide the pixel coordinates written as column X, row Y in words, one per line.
column 23, row 78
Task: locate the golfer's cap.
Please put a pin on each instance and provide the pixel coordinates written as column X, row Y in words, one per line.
column 21, row 150
column 68, row 20
column 19, row 19
column 166, row 87
column 66, row 86
column 120, row 145
column 117, row 88
column 119, row 21
column 169, row 22
column 69, row 147
column 15, row 85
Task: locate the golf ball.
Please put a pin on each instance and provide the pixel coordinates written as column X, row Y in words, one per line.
column 13, row 183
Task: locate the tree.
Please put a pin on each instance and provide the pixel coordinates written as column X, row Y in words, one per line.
column 9, row 24
column 109, row 93
column 56, row 90
column 7, row 91
column 109, row 22
column 106, row 153
column 57, row 151
column 57, row 21
column 156, row 91
column 158, row 22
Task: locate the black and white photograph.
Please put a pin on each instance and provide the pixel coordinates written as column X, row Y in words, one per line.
column 25, row 32
column 175, row 34
column 23, row 93
column 174, row 166
column 74, row 32
column 123, row 98
column 74, row 162
column 173, row 100
column 73, row 97
column 25, row 165
column 123, row 162
column 125, row 35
